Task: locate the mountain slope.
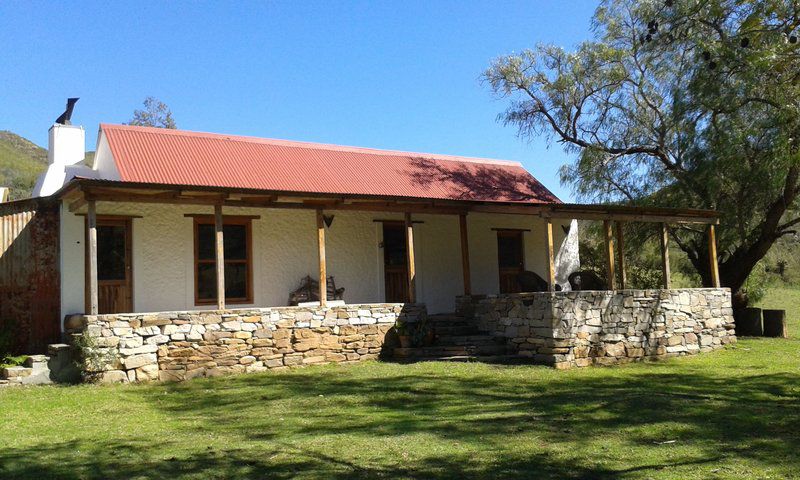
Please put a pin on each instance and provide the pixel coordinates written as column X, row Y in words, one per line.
column 21, row 163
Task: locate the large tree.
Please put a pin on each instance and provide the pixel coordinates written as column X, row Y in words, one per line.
column 155, row 114
column 685, row 103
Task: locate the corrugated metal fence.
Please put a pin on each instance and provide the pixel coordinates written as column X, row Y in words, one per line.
column 29, row 276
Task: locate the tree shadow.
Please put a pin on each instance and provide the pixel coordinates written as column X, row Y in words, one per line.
column 753, row 418
column 474, row 181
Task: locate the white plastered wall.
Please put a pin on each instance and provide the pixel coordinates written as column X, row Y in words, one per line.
column 285, row 250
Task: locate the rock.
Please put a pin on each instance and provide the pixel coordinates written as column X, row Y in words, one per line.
column 140, row 360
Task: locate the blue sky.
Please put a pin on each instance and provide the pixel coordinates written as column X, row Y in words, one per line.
column 398, row 75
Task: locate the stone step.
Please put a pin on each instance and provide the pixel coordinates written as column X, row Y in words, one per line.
column 448, row 330
column 468, row 341
column 449, row 351
column 497, row 359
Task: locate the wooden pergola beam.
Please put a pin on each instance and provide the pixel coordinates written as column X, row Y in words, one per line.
column 323, row 269
column 664, row 240
column 610, row 268
column 91, row 223
column 219, row 242
column 550, row 261
column 712, row 257
column 623, row 278
column 412, row 273
column 465, row 269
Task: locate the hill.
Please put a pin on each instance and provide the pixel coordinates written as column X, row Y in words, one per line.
column 21, row 162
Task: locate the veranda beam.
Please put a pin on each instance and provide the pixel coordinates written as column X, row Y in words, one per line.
column 323, row 274
column 412, row 274
column 219, row 242
column 712, row 256
column 462, row 223
column 623, row 278
column 610, row 268
column 91, row 221
column 548, row 241
column 664, row 237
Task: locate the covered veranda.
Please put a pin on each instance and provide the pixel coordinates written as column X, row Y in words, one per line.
column 82, row 196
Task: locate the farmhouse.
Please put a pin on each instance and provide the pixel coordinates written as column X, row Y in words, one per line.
column 183, row 254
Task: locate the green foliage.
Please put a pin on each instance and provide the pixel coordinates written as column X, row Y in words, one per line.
column 681, row 103
column 92, row 359
column 21, row 163
column 154, row 114
column 756, row 284
column 12, row 360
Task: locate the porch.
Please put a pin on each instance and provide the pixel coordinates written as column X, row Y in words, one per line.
column 175, row 255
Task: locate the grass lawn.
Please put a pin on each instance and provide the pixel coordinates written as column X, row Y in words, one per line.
column 729, row 414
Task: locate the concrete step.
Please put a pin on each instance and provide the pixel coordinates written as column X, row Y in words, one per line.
column 447, row 330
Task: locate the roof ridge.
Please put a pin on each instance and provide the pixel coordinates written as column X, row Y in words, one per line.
column 305, row 144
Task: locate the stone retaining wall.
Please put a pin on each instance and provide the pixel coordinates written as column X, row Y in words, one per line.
column 181, row 345
column 567, row 329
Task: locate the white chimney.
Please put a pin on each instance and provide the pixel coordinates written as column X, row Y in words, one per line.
column 66, row 151
column 67, row 145
column 4, row 194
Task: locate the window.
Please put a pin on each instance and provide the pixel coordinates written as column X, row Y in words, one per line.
column 238, row 260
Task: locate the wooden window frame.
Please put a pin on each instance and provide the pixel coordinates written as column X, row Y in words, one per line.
column 246, row 221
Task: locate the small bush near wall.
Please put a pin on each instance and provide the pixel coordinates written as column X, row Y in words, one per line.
column 181, row 345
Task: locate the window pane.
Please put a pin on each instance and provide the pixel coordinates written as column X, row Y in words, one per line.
column 235, row 242
column 207, row 281
column 394, row 245
column 509, row 250
column 235, row 280
column 110, row 252
column 205, row 240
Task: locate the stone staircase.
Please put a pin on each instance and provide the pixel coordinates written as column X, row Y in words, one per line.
column 55, row 367
column 456, row 339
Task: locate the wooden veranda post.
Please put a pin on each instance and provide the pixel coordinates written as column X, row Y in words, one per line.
column 412, row 274
column 220, row 256
column 623, row 278
column 610, row 270
column 462, row 222
column 323, row 270
column 551, row 268
column 92, row 238
column 712, row 256
column 664, row 238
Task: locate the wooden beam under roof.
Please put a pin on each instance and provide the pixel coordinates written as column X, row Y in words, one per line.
column 106, row 190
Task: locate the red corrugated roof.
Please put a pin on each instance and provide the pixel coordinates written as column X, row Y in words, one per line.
column 179, row 157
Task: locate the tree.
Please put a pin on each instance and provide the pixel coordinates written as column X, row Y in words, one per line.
column 686, row 103
column 155, row 114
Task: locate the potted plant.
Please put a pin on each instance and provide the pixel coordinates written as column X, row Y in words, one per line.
column 403, row 333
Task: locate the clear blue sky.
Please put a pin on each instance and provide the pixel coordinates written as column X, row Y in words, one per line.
column 397, row 75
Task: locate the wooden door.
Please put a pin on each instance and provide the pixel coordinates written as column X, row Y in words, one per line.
column 511, row 259
column 395, row 266
column 114, row 266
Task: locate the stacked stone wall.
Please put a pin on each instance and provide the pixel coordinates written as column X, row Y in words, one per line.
column 174, row 346
column 567, row 329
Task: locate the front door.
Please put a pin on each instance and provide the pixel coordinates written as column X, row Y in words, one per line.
column 395, row 266
column 114, row 267
column 511, row 259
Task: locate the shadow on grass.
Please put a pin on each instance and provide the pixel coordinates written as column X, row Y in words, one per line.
column 285, row 424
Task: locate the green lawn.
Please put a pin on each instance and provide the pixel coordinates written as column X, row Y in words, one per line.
column 729, row 414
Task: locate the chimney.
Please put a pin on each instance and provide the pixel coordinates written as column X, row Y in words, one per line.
column 4, row 193
column 67, row 145
column 66, row 150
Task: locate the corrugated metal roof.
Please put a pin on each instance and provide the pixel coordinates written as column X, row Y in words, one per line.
column 179, row 157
